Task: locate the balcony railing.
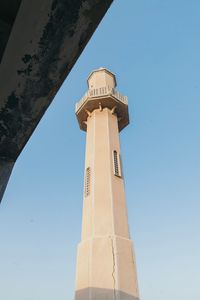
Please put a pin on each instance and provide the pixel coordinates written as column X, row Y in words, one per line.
column 102, row 91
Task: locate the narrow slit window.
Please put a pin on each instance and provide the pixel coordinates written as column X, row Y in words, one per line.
column 87, row 181
column 116, row 164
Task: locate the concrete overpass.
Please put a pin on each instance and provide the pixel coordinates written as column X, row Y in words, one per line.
column 40, row 42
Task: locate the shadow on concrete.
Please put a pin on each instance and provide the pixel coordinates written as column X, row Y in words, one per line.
column 102, row 294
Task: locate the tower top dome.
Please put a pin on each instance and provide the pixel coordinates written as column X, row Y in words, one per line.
column 101, row 77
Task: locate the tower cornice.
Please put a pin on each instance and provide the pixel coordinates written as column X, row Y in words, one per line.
column 106, row 97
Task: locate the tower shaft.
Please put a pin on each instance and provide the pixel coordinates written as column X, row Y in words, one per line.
column 104, row 211
column 105, row 262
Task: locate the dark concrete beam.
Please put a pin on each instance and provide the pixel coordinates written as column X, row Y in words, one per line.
column 5, row 171
column 5, row 29
column 8, row 12
column 46, row 40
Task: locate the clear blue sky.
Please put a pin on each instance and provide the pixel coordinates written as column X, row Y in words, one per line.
column 153, row 46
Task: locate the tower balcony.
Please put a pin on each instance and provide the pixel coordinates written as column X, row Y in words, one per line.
column 100, row 98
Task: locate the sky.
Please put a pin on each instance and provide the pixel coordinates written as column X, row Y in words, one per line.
column 153, row 47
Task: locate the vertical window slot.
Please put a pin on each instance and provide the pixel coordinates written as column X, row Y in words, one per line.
column 87, row 181
column 116, row 164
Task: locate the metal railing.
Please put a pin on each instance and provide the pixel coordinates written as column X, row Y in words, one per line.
column 102, row 91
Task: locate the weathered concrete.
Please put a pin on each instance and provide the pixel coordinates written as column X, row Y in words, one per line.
column 46, row 39
column 106, row 266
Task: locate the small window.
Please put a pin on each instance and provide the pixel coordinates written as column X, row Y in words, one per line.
column 87, row 182
column 116, row 164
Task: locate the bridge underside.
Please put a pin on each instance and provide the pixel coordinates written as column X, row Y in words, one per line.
column 40, row 42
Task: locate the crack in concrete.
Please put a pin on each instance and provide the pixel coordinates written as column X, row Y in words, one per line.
column 113, row 272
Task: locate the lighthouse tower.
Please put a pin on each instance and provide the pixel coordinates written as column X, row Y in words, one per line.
column 106, row 267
